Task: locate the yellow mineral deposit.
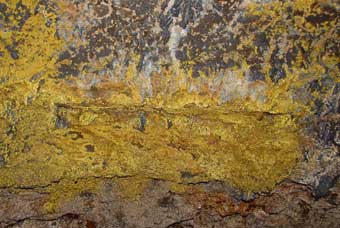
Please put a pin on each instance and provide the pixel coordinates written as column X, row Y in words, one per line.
column 63, row 134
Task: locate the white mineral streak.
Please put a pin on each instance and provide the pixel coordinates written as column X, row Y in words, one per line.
column 169, row 6
column 145, row 77
column 176, row 34
column 230, row 86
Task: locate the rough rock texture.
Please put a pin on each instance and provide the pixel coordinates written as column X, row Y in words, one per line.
column 171, row 113
column 289, row 205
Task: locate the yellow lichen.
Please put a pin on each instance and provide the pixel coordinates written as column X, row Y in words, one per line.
column 111, row 130
column 67, row 190
column 132, row 188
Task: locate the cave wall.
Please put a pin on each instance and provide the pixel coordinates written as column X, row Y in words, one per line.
column 172, row 113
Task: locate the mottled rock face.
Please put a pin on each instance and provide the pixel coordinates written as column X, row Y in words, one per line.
column 185, row 113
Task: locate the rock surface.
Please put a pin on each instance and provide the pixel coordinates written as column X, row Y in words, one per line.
column 172, row 113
